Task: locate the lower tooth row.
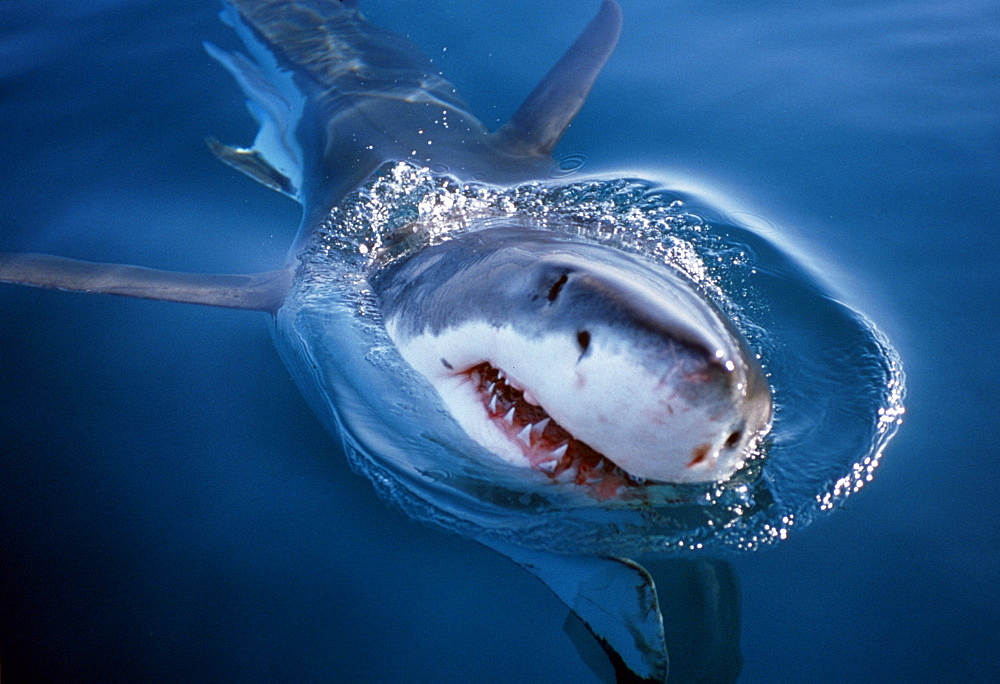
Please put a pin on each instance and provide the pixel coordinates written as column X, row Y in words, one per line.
column 525, row 434
column 538, row 428
column 530, row 430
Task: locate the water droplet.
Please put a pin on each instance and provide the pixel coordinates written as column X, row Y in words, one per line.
column 568, row 164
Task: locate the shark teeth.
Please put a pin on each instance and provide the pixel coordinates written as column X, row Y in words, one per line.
column 517, row 414
column 548, row 466
column 553, row 460
column 525, row 434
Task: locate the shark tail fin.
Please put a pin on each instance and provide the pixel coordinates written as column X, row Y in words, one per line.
column 256, row 291
column 537, row 125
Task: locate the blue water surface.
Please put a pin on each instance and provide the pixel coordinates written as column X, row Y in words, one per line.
column 170, row 510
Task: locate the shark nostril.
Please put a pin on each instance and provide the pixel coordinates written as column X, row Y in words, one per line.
column 733, row 439
column 557, row 287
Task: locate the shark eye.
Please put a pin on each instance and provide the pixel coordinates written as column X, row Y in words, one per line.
column 557, row 287
column 583, row 339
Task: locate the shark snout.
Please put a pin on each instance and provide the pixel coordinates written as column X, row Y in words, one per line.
column 662, row 414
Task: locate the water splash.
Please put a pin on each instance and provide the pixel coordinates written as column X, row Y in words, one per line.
column 838, row 385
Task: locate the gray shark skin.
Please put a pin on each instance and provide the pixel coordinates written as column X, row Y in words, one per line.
column 482, row 266
column 337, row 98
column 371, row 96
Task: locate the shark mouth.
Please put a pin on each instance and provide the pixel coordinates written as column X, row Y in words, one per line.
column 546, row 445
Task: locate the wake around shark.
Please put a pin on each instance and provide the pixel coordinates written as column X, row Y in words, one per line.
column 592, row 373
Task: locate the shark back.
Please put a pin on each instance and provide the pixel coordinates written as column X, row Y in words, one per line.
column 336, row 97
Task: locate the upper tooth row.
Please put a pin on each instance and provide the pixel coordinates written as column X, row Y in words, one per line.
column 535, row 430
column 549, row 465
column 530, row 429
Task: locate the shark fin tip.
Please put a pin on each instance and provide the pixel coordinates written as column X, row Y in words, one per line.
column 537, row 125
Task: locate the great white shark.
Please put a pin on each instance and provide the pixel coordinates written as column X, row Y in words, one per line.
column 566, row 358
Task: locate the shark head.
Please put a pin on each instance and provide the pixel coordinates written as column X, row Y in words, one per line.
column 576, row 359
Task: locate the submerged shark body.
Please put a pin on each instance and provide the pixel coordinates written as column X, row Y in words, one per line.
column 577, row 363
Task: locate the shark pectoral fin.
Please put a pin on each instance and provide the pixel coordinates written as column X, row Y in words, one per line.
column 253, row 164
column 614, row 598
column 275, row 158
column 256, row 291
column 700, row 604
column 538, row 124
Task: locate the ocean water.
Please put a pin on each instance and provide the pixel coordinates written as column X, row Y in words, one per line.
column 171, row 510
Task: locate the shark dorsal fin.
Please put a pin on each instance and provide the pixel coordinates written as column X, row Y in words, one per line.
column 538, row 124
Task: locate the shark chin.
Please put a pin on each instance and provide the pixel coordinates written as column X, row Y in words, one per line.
column 588, row 364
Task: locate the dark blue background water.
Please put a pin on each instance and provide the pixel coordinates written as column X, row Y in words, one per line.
column 169, row 508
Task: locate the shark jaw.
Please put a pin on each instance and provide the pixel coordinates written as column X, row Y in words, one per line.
column 594, row 417
column 543, row 443
column 576, row 360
